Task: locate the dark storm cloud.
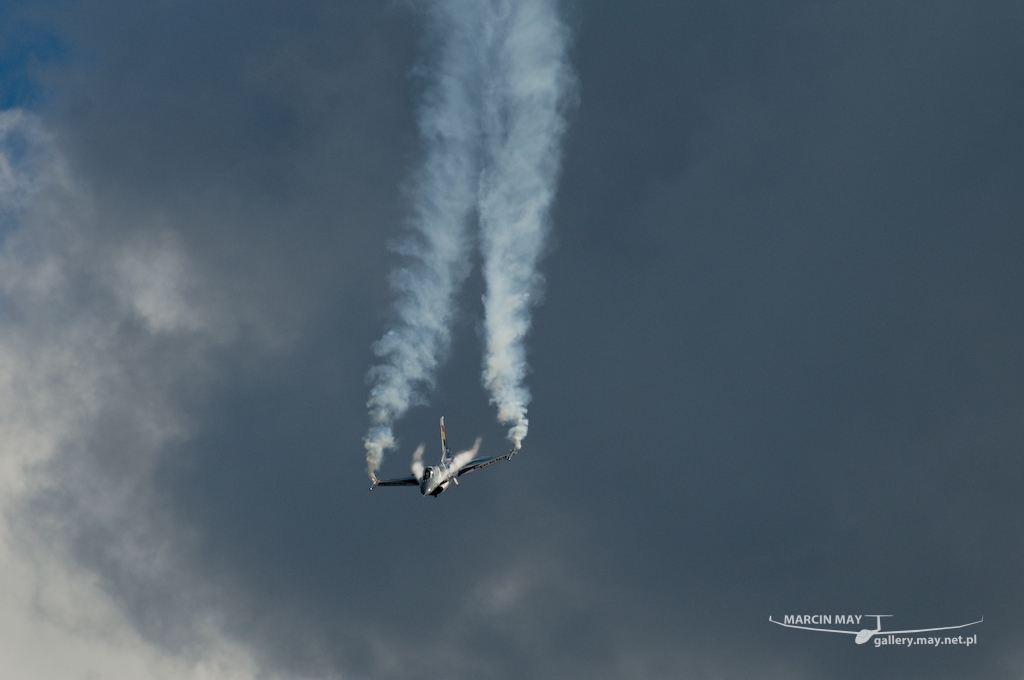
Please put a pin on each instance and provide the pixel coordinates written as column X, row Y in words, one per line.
column 777, row 369
column 813, row 282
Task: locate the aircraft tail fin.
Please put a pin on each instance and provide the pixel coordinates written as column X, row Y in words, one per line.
column 445, row 451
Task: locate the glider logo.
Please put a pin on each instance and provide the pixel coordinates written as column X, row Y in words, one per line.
column 814, row 622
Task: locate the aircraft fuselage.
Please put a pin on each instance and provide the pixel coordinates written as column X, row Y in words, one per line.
column 436, row 479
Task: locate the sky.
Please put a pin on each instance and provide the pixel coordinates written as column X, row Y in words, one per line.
column 774, row 356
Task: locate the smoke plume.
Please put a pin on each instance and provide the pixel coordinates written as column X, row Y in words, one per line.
column 417, row 463
column 460, row 459
column 522, row 130
column 491, row 124
column 437, row 248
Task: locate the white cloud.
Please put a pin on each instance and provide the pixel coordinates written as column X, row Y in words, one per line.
column 68, row 367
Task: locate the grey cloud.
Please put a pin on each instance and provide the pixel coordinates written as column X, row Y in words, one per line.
column 776, row 369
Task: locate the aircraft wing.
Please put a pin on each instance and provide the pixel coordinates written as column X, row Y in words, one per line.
column 474, row 465
column 401, row 481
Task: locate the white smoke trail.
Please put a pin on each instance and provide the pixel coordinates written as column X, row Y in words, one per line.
column 460, row 459
column 492, row 125
column 523, row 126
column 417, row 462
column 444, row 196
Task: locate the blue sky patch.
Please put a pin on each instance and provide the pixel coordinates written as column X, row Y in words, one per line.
column 24, row 48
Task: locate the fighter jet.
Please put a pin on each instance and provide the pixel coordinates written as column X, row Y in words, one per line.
column 436, row 478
